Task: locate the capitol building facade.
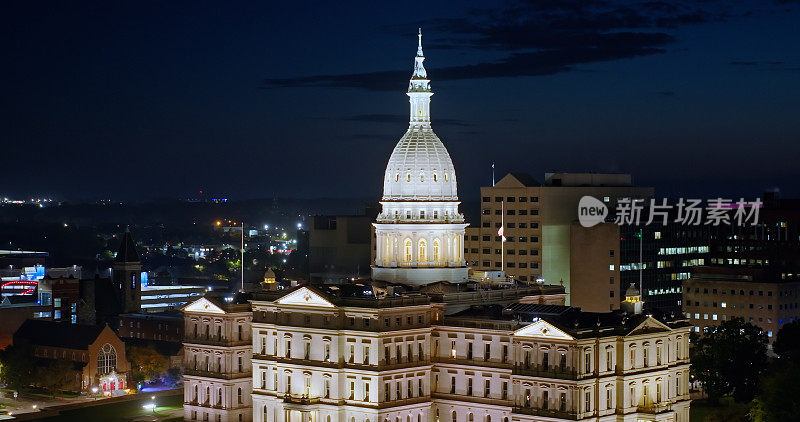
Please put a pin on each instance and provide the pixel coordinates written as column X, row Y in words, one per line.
column 397, row 349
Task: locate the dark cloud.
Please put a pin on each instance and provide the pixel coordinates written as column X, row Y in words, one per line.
column 539, row 37
column 771, row 66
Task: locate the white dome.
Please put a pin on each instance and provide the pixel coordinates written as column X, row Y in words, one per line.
column 420, row 169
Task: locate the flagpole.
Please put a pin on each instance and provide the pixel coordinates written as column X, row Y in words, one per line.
column 243, row 256
column 503, row 231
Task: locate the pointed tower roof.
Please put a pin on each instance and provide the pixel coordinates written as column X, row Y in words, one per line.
column 419, row 79
column 127, row 249
column 420, row 168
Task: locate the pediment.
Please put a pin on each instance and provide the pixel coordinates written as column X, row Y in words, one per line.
column 304, row 297
column 543, row 330
column 203, row 305
column 649, row 325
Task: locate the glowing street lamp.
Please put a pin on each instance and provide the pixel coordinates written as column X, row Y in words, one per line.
column 150, row 406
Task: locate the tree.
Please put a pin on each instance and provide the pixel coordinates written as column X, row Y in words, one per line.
column 779, row 399
column 729, row 359
column 17, row 368
column 146, row 363
column 780, row 395
column 787, row 343
column 56, row 375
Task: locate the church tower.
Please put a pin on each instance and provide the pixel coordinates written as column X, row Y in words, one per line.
column 419, row 232
column 127, row 274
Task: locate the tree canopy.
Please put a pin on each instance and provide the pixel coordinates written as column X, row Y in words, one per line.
column 729, row 359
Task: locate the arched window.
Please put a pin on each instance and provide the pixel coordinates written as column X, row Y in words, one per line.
column 422, row 250
column 239, row 395
column 265, row 414
column 219, row 397
column 106, row 360
column 445, row 177
column 488, row 418
column 454, row 417
column 422, row 177
column 435, row 178
column 408, row 249
column 408, row 177
column 397, row 177
column 436, row 250
column 195, row 393
column 470, row 418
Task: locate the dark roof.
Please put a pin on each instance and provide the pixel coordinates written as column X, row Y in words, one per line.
column 21, row 299
column 164, row 348
column 360, row 295
column 526, row 179
column 538, row 309
column 574, row 321
column 127, row 249
column 57, row 334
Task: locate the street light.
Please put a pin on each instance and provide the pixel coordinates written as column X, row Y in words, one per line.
column 150, row 406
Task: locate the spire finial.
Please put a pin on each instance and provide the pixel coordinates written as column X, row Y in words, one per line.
column 419, row 47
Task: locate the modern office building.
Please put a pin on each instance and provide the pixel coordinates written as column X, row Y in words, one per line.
column 763, row 297
column 544, row 239
column 340, row 246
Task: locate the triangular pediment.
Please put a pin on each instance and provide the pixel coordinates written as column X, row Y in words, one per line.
column 544, row 330
column 203, row 305
column 304, row 297
column 649, row 325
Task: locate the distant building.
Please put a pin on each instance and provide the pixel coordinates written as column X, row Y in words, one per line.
column 764, row 298
column 162, row 326
column 15, row 310
column 127, row 274
column 163, row 331
column 544, row 239
column 218, row 351
column 339, row 246
column 96, row 350
column 102, row 300
column 157, row 298
column 751, row 272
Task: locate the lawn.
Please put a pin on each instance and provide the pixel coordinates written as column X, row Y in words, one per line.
column 727, row 410
column 119, row 412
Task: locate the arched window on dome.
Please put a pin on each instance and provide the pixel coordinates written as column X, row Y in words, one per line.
column 422, row 250
column 422, row 177
column 408, row 177
column 445, row 177
column 408, row 250
column 436, row 249
column 397, row 177
column 435, row 177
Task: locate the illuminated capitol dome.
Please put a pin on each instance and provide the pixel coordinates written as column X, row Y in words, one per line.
column 419, row 232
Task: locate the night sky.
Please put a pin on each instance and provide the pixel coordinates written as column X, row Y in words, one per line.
column 143, row 99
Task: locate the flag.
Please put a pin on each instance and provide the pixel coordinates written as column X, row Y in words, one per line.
column 500, row 233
